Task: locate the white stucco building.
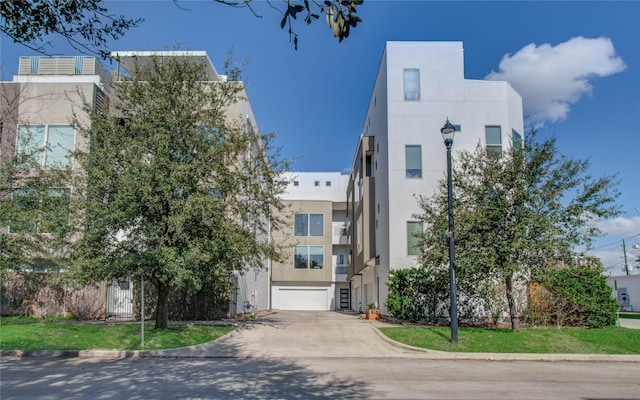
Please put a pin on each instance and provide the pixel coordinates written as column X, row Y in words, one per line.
column 401, row 152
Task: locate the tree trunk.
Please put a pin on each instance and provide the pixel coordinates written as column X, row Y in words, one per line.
column 511, row 301
column 162, row 308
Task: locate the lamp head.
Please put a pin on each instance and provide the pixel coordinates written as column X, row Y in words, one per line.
column 448, row 132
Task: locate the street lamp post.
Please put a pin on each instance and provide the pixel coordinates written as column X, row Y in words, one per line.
column 448, row 131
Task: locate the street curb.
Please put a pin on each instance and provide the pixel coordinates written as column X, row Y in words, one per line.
column 445, row 355
column 203, row 350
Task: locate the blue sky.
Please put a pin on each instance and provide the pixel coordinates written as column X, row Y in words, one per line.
column 581, row 55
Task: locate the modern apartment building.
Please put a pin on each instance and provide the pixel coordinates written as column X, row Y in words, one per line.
column 41, row 99
column 36, row 108
column 346, row 232
column 313, row 274
column 401, row 152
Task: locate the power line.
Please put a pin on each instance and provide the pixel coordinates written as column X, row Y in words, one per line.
column 616, row 242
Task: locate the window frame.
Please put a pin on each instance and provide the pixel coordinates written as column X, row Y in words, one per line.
column 516, row 139
column 493, row 149
column 303, row 257
column 408, row 84
column 40, row 205
column 413, row 247
column 416, row 172
column 308, row 224
column 43, row 150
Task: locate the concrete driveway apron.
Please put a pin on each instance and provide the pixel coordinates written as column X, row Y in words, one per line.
column 286, row 334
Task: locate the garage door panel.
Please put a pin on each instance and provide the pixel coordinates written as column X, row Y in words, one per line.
column 303, row 299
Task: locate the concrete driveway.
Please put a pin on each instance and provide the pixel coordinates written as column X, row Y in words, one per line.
column 302, row 334
column 310, row 335
column 329, row 334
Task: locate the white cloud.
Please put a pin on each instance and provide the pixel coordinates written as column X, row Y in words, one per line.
column 551, row 78
column 620, row 226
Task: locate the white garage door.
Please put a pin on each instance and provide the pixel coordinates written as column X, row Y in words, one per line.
column 303, row 299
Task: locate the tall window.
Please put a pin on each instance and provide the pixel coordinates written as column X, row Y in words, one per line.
column 516, row 139
column 414, row 230
column 309, row 225
column 412, row 84
column 309, row 257
column 359, row 235
column 413, row 159
column 47, row 145
column 493, row 137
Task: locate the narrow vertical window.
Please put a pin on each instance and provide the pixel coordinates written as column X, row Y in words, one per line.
column 60, row 141
column 359, row 235
column 412, row 84
column 493, row 137
column 301, row 225
column 414, row 230
column 516, row 139
column 316, row 225
column 316, row 257
column 413, row 160
column 31, row 144
column 301, row 258
column 26, row 200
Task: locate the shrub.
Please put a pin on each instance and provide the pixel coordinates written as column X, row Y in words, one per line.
column 414, row 295
column 87, row 303
column 573, row 296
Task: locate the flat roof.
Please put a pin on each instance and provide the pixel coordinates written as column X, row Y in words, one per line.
column 126, row 58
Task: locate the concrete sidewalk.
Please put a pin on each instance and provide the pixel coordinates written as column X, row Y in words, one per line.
column 629, row 323
column 321, row 334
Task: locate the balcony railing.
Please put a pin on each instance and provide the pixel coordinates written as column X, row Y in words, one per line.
column 340, row 233
column 341, row 269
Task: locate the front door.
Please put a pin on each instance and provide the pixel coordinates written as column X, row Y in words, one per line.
column 344, row 298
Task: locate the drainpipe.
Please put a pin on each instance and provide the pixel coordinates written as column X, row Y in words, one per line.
column 361, row 291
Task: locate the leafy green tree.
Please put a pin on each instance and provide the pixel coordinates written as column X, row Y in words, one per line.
column 34, row 229
column 574, row 296
column 340, row 14
column 87, row 25
column 175, row 187
column 516, row 212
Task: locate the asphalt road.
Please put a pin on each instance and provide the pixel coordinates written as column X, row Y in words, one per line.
column 312, row 355
column 314, row 378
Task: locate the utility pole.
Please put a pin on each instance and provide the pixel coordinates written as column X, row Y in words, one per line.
column 626, row 263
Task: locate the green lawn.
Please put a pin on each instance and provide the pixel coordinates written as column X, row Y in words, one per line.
column 19, row 334
column 611, row 340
